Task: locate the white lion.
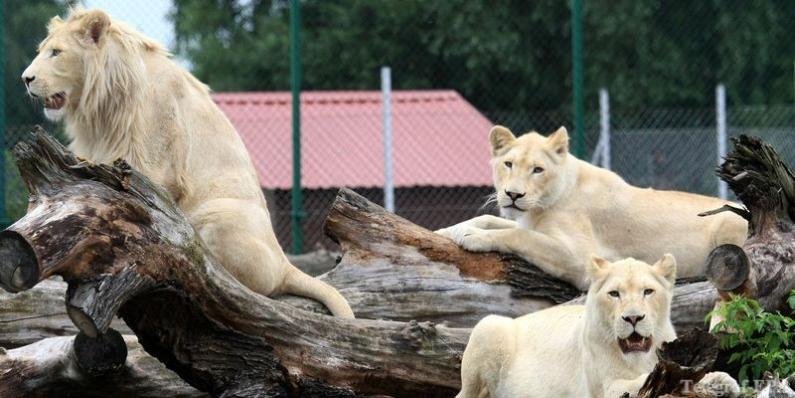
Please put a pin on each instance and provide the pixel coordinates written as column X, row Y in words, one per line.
column 122, row 97
column 602, row 349
column 559, row 210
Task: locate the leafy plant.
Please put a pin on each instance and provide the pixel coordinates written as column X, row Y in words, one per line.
column 761, row 341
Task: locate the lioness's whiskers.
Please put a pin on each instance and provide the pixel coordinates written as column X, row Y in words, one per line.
column 490, row 200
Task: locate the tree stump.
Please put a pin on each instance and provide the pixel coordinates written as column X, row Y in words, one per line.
column 764, row 267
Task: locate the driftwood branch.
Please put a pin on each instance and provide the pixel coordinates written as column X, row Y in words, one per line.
column 123, row 247
column 58, row 367
column 764, row 267
column 394, row 269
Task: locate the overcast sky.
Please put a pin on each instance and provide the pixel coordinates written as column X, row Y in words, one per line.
column 149, row 16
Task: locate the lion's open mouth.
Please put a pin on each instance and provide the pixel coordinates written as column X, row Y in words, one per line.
column 55, row 101
column 635, row 343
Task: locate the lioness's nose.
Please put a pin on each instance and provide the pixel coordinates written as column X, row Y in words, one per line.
column 634, row 319
column 514, row 195
column 28, row 79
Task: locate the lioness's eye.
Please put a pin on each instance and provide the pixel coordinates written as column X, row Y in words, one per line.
column 538, row 170
column 55, row 52
column 648, row 292
column 508, row 164
column 614, row 293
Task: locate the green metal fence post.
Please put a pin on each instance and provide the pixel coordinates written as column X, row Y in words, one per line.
column 578, row 79
column 297, row 212
column 4, row 220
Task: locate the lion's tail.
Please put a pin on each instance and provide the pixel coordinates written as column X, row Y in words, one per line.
column 301, row 284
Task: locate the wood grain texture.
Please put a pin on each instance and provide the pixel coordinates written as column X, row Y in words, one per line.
column 123, row 247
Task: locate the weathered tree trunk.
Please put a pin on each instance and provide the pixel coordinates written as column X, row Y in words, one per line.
column 389, row 278
column 123, row 247
column 764, row 268
column 394, row 269
column 683, row 363
column 59, row 367
column 38, row 313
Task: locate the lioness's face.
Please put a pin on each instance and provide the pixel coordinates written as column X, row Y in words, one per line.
column 56, row 75
column 528, row 171
column 633, row 300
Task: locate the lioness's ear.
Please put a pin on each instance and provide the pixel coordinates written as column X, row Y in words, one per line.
column 666, row 267
column 500, row 138
column 596, row 267
column 94, row 26
column 559, row 141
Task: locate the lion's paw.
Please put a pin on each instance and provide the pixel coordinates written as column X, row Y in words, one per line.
column 718, row 385
column 446, row 232
column 477, row 240
column 456, row 233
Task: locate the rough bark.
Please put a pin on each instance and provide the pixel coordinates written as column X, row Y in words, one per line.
column 683, row 363
column 764, row 267
column 57, row 367
column 38, row 313
column 123, row 247
column 393, row 269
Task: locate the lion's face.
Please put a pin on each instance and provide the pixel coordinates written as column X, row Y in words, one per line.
column 56, row 75
column 530, row 171
column 631, row 302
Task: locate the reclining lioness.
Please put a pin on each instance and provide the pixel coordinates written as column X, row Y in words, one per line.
column 602, row 349
column 559, row 210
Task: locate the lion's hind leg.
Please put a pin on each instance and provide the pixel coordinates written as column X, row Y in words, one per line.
column 239, row 234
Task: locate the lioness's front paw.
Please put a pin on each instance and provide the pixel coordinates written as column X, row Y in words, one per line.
column 718, row 385
column 446, row 232
column 477, row 240
column 456, row 233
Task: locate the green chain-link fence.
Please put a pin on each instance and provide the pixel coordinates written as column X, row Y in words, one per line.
column 457, row 67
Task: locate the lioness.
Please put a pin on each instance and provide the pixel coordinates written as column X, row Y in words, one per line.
column 559, row 210
column 121, row 96
column 602, row 349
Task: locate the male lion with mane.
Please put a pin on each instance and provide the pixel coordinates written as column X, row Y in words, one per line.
column 559, row 210
column 121, row 96
column 602, row 349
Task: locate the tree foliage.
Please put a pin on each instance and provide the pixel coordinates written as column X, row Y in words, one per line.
column 25, row 26
column 511, row 55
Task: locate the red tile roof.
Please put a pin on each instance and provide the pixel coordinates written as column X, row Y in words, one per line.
column 440, row 139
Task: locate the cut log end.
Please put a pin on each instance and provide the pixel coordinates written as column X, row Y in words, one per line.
column 728, row 268
column 19, row 269
column 105, row 353
column 83, row 322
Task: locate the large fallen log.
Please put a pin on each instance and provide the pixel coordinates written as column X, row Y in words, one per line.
column 38, row 313
column 384, row 274
column 123, row 247
column 394, row 269
column 57, row 367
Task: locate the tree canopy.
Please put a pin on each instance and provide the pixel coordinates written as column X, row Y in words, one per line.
column 25, row 26
column 515, row 56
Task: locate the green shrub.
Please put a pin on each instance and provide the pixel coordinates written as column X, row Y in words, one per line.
column 760, row 341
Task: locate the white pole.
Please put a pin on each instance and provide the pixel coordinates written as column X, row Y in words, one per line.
column 604, row 126
column 389, row 176
column 720, row 112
